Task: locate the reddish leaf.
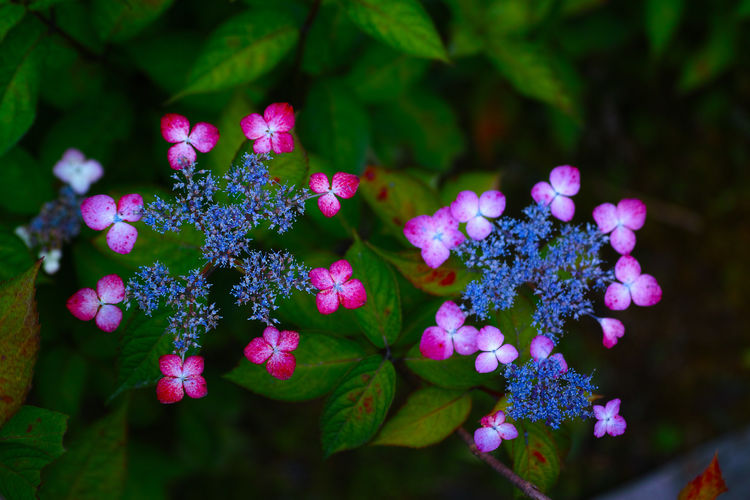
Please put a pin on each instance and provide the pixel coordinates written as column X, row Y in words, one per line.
column 707, row 486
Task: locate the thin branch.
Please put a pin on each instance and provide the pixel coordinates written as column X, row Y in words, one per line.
column 529, row 489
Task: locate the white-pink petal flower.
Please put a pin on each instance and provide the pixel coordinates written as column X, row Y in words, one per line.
column 344, row 185
column 176, row 129
column 612, row 330
column 628, row 216
column 494, row 429
column 74, row 169
column 270, row 131
column 608, row 419
column 274, row 347
column 87, row 303
column 490, row 340
column 180, row 378
column 336, row 287
column 541, row 350
column 435, row 235
column 439, row 342
column 565, row 181
column 100, row 211
column 642, row 289
column 473, row 209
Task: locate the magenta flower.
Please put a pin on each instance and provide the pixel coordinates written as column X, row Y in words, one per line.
column 643, row 289
column 609, row 421
column 336, row 287
column 564, row 181
column 494, row 429
column 87, row 303
column 75, row 170
column 629, row 215
column 276, row 348
column 473, row 209
column 180, row 378
column 99, row 212
column 176, row 129
column 270, row 131
column 541, row 348
column 435, row 235
column 438, row 342
column 612, row 330
column 343, row 185
column 490, row 340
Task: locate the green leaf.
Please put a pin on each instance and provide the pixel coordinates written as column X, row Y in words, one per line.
column 19, row 82
column 60, row 379
column 19, row 340
column 357, row 408
column 479, row 182
column 380, row 74
column 14, row 254
column 10, row 15
column 429, row 416
column 332, row 42
column 662, row 19
column 24, row 185
column 380, row 317
column 457, row 372
column 516, row 324
column 537, row 454
column 242, row 49
column 28, row 442
column 94, row 465
column 710, row 60
column 119, row 20
column 322, row 361
column 402, row 24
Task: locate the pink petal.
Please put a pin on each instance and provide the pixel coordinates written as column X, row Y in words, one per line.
column 271, row 334
column 494, row 419
column 344, row 185
column 169, row 390
column 121, row 237
column 561, row 363
column 605, row 216
column 180, row 155
column 486, row 439
column 83, row 304
column 563, row 208
column 617, row 297
column 262, row 145
column 465, row 340
column 600, row 428
column 129, row 207
column 193, row 366
column 281, row 365
column 616, row 426
column 72, row 155
column 319, row 183
column 258, row 350
column 489, row 338
column 444, row 221
column 645, row 291
column 623, row 240
column 565, row 180
column 282, row 142
column 288, row 340
column 466, row 206
column 254, row 126
column 599, row 412
column 478, row 228
column 327, row 301
column 436, row 344
column 195, row 386
column 111, row 289
column 486, row 362
column 541, row 347
column 627, row 269
column 174, row 127
column 612, row 408
column 435, row 254
column 280, row 116
column 98, row 211
column 449, row 316
column 453, row 237
column 353, row 294
column 108, row 318
column 321, row 278
column 612, row 330
column 507, row 431
column 492, row 204
column 632, row 213
column 170, row 365
column 341, row 271
column 419, row 230
column 204, row 137
column 506, row 354
column 542, row 192
column 329, row 205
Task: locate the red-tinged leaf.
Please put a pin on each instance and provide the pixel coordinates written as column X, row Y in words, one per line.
column 707, row 486
column 537, row 453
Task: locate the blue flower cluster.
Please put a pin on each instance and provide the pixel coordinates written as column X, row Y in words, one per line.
column 58, row 222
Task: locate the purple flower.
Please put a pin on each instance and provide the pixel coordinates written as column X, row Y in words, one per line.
column 609, row 422
column 435, row 235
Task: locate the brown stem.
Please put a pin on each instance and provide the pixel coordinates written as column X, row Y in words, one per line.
column 529, row 489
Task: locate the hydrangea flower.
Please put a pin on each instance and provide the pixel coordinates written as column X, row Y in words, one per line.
column 564, row 181
column 643, row 289
column 609, row 422
column 438, row 342
column 629, row 215
column 541, row 348
column 494, row 429
column 270, row 131
column 87, row 303
column 78, row 172
column 473, row 209
column 51, row 258
column 100, row 211
column 612, row 329
column 435, row 235
column 490, row 340
column 343, row 185
column 276, row 348
column 176, row 129
column 336, row 287
column 180, row 378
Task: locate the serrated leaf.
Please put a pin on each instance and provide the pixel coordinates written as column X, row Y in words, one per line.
column 240, row 50
column 28, row 442
column 708, row 485
column 662, row 19
column 380, row 74
column 380, row 317
column 457, row 372
column 429, row 416
column 357, row 407
column 120, row 20
column 537, row 454
column 402, row 24
column 19, row 340
column 322, row 361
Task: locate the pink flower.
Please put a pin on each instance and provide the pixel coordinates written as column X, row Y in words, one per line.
column 87, row 303
column 490, row 340
column 541, row 348
column 641, row 288
column 472, row 209
column 435, row 235
column 438, row 342
column 612, row 330
column 629, row 215
column 564, row 181
column 609, row 421
column 180, row 378
column 336, row 287
column 75, row 170
column 276, row 348
column 176, row 129
column 344, row 185
column 99, row 212
column 270, row 131
column 494, row 429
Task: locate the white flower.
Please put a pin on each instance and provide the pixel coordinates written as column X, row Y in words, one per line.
column 77, row 171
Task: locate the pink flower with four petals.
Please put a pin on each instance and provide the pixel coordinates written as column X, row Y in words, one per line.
column 564, row 181
column 629, row 215
column 541, row 348
column 438, row 342
column 78, row 172
column 473, row 209
column 609, row 422
column 276, row 347
column 176, row 129
column 435, row 235
column 490, row 340
column 343, row 185
column 100, row 211
column 494, row 429
column 87, row 303
column 270, row 131
column 643, row 289
column 336, row 287
column 180, row 378
column 612, row 329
